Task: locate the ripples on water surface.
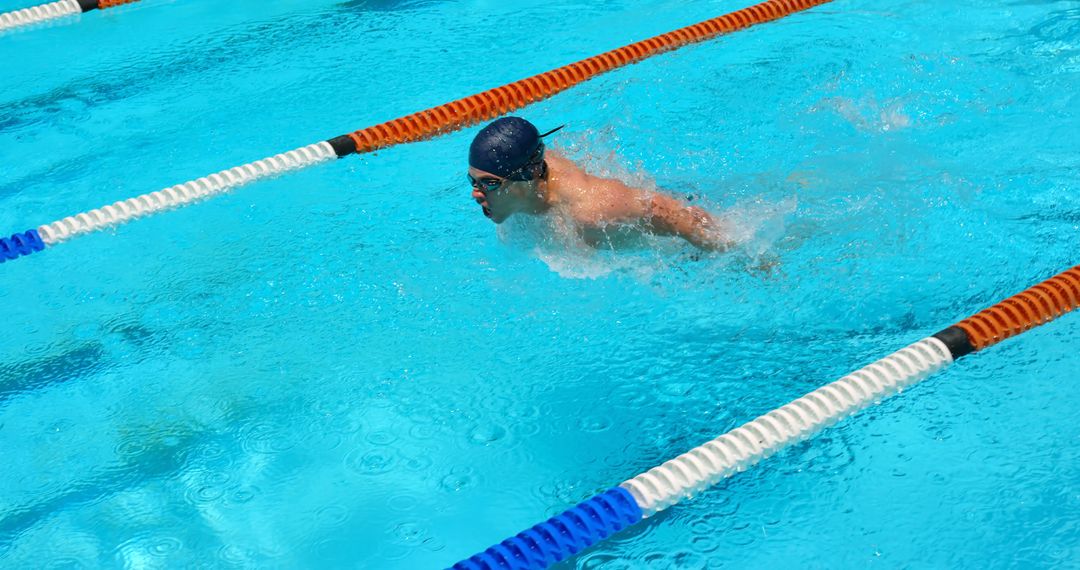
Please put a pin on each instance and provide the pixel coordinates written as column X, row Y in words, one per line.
column 348, row 366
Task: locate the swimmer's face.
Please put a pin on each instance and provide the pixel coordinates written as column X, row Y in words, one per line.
column 497, row 196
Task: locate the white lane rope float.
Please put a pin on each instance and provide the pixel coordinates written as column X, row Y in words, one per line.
column 53, row 11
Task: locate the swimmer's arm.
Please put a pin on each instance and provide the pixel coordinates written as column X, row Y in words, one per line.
column 661, row 214
column 667, row 216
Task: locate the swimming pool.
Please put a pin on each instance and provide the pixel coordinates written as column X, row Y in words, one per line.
column 345, row 366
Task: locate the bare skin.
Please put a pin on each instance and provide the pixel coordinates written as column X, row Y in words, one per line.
column 596, row 205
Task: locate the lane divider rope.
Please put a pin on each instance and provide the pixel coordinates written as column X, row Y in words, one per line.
column 692, row 472
column 183, row 194
column 701, row 467
column 52, row 11
column 423, row 125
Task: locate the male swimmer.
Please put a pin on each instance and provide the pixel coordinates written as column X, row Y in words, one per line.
column 510, row 173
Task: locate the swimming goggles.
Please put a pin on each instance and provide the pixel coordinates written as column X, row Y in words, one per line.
column 485, row 184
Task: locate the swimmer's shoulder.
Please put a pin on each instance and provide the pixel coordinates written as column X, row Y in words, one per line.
column 560, row 165
column 565, row 173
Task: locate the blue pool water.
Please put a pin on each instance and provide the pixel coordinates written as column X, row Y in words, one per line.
column 350, row 367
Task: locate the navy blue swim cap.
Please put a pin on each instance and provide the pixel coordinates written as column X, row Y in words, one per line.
column 505, row 146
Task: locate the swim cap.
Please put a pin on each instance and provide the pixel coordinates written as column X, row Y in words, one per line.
column 505, row 146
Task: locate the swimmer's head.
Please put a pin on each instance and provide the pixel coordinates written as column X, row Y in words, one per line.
column 506, row 160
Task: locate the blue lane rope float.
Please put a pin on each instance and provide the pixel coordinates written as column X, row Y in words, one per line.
column 419, row 126
column 53, row 11
column 692, row 472
column 561, row 536
column 20, row 244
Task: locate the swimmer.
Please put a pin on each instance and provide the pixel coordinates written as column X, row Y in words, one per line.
column 510, row 173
